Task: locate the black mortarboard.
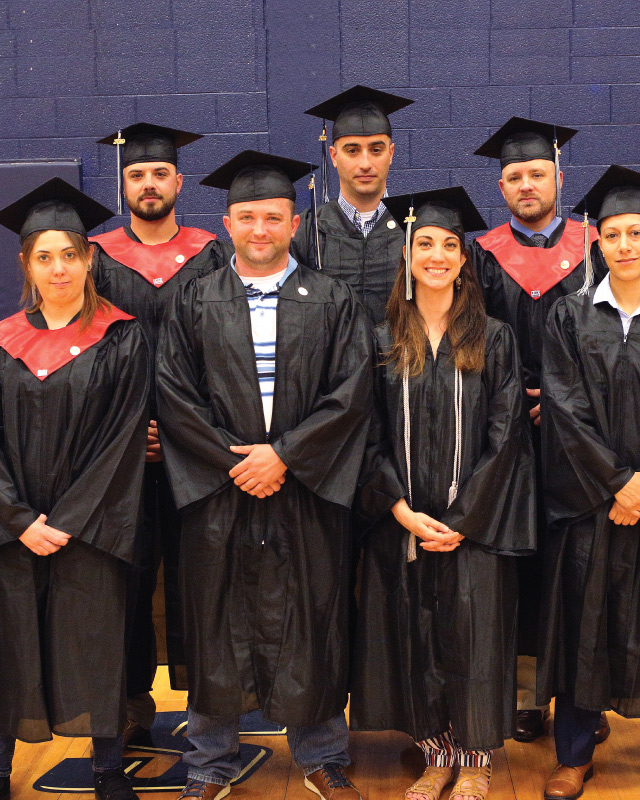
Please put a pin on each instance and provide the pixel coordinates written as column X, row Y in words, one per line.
column 145, row 142
column 54, row 206
column 522, row 139
column 450, row 208
column 252, row 175
column 359, row 111
column 616, row 192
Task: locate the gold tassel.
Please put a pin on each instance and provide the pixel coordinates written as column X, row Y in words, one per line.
column 407, row 246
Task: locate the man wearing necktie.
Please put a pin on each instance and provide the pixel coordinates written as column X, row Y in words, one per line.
column 523, row 267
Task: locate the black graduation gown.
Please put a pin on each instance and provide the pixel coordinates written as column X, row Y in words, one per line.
column 368, row 264
column 72, row 447
column 436, row 637
column 591, row 440
column 506, row 300
column 132, row 292
column 265, row 581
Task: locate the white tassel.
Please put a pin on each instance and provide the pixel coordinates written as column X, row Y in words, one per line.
column 457, row 456
column 588, row 266
column 411, row 544
column 558, row 185
column 118, row 143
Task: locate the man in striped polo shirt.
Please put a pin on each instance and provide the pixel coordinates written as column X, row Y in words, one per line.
column 264, row 391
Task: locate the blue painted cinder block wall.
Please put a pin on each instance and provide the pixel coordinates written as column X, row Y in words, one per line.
column 243, row 71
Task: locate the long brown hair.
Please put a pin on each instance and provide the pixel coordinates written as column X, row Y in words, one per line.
column 31, row 299
column 466, row 326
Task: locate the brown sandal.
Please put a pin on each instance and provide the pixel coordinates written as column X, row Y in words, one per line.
column 472, row 782
column 431, row 783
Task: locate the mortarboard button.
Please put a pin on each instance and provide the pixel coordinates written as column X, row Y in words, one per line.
column 75, row 350
column 391, row 224
column 564, row 265
column 180, row 258
column 301, row 290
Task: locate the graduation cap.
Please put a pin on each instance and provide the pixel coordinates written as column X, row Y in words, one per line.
column 54, row 206
column 252, row 175
column 450, row 208
column 522, row 139
column 359, row 111
column 615, row 192
column 144, row 142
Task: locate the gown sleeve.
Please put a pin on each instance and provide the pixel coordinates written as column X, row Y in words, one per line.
column 324, row 452
column 581, row 471
column 195, row 448
column 379, row 486
column 495, row 506
column 101, row 506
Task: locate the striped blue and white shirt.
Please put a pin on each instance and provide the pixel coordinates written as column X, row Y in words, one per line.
column 262, row 296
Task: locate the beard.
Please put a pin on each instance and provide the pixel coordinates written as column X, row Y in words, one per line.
column 534, row 213
column 151, row 213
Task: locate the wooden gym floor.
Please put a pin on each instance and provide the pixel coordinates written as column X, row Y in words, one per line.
column 384, row 764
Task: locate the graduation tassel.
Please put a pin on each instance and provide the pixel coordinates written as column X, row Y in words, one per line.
column 588, row 266
column 119, row 142
column 407, row 244
column 457, row 456
column 412, row 553
column 324, row 163
column 557, row 152
column 314, row 220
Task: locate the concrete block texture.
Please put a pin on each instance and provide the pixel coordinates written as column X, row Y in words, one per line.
column 242, row 72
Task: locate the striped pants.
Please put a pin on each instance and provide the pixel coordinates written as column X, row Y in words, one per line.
column 444, row 751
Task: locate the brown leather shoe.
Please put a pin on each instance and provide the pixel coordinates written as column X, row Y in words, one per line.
column 199, row 790
column 331, row 783
column 566, row 783
column 530, row 724
column 603, row 730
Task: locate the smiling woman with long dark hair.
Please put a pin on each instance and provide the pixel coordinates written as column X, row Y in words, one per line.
column 450, row 467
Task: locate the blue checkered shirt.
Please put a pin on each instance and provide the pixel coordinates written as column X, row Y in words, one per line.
column 353, row 215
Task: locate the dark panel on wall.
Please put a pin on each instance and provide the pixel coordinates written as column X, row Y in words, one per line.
column 241, row 72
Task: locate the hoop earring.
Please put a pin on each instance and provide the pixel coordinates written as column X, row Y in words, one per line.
column 458, row 282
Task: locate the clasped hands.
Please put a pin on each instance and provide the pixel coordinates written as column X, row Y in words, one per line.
column 626, row 506
column 261, row 473
column 436, row 536
column 42, row 539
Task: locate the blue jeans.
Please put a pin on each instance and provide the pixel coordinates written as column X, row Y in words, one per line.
column 216, row 741
column 107, row 754
column 575, row 732
column 7, row 748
